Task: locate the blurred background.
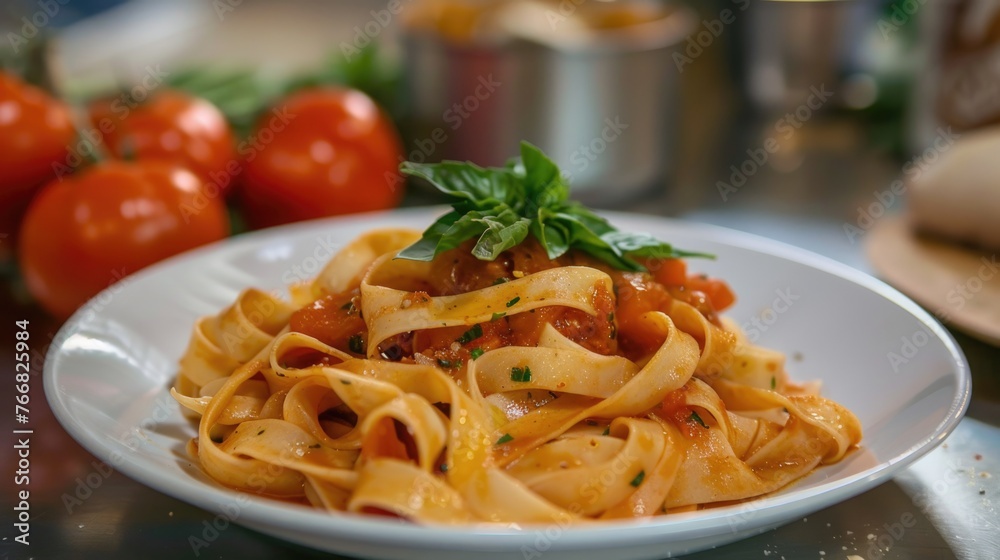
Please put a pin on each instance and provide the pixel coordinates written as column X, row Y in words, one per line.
column 661, row 107
column 134, row 130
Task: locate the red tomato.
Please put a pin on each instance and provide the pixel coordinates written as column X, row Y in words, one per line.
column 669, row 272
column 717, row 291
column 171, row 126
column 35, row 132
column 638, row 293
column 321, row 152
column 85, row 232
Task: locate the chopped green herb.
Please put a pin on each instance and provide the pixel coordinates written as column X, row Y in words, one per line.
column 349, row 307
column 356, row 344
column 504, row 439
column 260, row 432
column 475, row 353
column 500, row 206
column 279, row 374
column 450, row 364
column 514, row 301
column 444, row 467
column 607, row 431
column 695, row 418
column 638, row 478
column 497, row 317
column 553, row 395
column 499, row 281
column 520, row 375
column 472, row 334
column 774, row 382
column 345, row 381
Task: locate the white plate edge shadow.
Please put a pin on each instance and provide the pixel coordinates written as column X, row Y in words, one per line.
column 766, row 510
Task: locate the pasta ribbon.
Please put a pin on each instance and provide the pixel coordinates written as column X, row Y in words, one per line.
column 548, row 432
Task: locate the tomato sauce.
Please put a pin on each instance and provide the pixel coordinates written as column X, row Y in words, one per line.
column 334, row 320
column 615, row 329
column 676, row 410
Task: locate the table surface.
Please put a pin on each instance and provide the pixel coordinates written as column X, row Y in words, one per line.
column 951, row 493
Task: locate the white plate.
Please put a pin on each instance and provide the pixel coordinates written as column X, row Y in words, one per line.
column 108, row 373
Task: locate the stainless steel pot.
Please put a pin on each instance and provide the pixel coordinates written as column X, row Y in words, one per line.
column 603, row 105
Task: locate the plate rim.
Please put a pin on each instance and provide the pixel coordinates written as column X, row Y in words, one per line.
column 352, row 528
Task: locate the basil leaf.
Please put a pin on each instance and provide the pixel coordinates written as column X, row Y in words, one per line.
column 666, row 251
column 645, row 245
column 545, row 185
column 581, row 233
column 592, row 221
column 425, row 248
column 631, row 242
column 586, row 240
column 467, row 227
column 482, row 187
column 552, row 235
column 505, row 231
column 529, row 195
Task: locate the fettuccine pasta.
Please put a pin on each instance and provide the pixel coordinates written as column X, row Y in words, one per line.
column 522, row 390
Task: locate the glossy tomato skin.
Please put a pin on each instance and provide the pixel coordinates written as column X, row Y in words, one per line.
column 83, row 233
column 169, row 126
column 36, row 131
column 322, row 152
column 718, row 292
